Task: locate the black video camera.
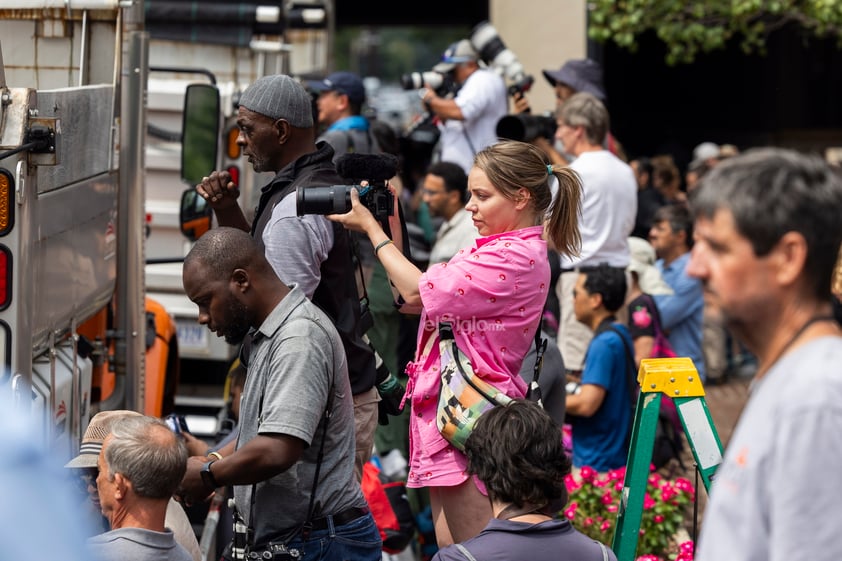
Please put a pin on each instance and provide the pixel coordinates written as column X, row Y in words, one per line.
column 376, row 169
column 526, row 127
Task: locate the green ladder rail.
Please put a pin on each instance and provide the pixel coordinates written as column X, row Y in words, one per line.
column 677, row 379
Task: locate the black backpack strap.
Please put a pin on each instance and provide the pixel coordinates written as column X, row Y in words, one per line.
column 629, row 364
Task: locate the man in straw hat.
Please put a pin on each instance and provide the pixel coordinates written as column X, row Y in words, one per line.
column 86, row 464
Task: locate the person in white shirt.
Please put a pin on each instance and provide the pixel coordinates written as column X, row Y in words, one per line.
column 609, row 208
column 469, row 120
column 445, row 193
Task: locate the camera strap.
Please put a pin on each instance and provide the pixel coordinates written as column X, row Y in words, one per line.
column 307, row 526
column 468, row 139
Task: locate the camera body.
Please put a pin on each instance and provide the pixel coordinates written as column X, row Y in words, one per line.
column 177, row 423
column 374, row 169
column 336, row 199
column 275, row 552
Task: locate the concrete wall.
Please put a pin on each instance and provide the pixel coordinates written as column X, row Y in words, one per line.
column 543, row 34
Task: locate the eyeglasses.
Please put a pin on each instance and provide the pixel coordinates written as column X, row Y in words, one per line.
column 86, row 478
column 431, row 193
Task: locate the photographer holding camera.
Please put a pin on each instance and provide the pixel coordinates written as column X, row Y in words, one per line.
column 575, row 75
column 277, row 134
column 470, row 118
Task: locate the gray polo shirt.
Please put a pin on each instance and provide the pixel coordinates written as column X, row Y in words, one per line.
column 296, row 357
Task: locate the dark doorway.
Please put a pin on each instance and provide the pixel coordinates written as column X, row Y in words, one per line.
column 789, row 97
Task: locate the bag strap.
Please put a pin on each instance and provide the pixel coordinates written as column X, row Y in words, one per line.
column 465, row 552
column 533, row 393
column 656, row 317
column 604, row 550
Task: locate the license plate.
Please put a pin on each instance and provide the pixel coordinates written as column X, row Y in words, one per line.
column 191, row 335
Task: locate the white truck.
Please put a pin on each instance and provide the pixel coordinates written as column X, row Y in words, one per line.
column 81, row 182
column 73, row 314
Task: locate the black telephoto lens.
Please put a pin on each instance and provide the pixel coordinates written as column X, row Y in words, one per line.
column 335, row 199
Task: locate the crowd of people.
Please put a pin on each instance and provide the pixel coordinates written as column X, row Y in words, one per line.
column 733, row 258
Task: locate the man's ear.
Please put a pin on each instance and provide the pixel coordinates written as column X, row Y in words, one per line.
column 241, row 280
column 282, row 129
column 596, row 300
column 789, row 254
column 121, row 487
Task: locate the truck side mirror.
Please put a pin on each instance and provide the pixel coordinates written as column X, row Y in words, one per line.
column 199, row 146
column 200, row 132
column 194, row 215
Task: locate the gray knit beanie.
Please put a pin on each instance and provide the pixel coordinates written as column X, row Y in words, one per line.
column 279, row 97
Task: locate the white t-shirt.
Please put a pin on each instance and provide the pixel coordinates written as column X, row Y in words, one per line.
column 483, row 101
column 609, row 207
column 776, row 495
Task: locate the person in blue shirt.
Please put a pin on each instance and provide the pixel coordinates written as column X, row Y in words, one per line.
column 600, row 408
column 339, row 104
column 681, row 312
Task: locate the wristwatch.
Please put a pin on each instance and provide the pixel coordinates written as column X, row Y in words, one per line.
column 207, row 476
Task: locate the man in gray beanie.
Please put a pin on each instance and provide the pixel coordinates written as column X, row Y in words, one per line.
column 275, row 117
column 279, row 97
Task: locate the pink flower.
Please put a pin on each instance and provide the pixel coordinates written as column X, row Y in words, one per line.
column 658, row 518
column 686, row 547
column 684, row 485
column 648, row 557
column 571, row 483
column 570, row 513
column 607, row 499
column 648, row 502
column 588, row 521
column 612, row 508
column 605, row 526
column 616, row 474
column 587, row 473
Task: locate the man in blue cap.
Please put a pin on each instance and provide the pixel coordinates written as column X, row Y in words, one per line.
column 340, row 102
column 470, row 118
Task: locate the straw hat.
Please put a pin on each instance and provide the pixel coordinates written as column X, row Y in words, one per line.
column 98, row 429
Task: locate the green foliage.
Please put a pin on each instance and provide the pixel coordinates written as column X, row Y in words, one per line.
column 690, row 28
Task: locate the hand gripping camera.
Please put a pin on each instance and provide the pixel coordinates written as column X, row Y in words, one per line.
column 442, row 84
column 376, row 169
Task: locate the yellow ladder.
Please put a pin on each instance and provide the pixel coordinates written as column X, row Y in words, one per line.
column 676, row 379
